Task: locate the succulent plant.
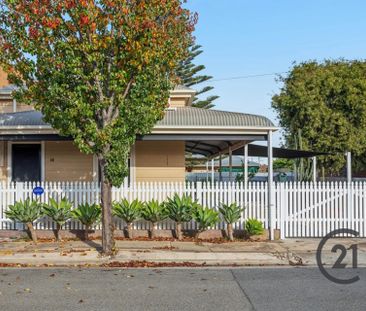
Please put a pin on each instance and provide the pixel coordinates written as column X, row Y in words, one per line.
column 26, row 212
column 231, row 213
column 180, row 210
column 154, row 212
column 253, row 227
column 205, row 218
column 88, row 215
column 128, row 212
column 59, row 212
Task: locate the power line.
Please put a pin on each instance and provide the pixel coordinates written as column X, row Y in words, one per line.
column 249, row 76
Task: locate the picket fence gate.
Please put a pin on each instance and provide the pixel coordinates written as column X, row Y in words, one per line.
column 300, row 209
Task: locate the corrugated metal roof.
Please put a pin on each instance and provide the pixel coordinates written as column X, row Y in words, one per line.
column 7, row 89
column 180, row 87
column 190, row 116
column 23, row 118
column 176, row 117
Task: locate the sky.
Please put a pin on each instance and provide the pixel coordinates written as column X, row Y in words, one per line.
column 263, row 37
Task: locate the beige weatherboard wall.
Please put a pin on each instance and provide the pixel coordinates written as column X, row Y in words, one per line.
column 159, row 161
column 3, row 161
column 61, row 161
column 64, row 162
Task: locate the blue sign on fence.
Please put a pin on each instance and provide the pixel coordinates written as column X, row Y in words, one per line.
column 38, row 191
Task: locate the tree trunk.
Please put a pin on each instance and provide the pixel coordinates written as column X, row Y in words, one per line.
column 86, row 233
column 32, row 232
column 179, row 233
column 107, row 221
column 130, row 230
column 230, row 232
column 58, row 228
column 154, row 227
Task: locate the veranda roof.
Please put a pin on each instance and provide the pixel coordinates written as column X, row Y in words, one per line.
column 205, row 132
column 174, row 117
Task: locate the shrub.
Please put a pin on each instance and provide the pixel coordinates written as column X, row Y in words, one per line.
column 231, row 214
column 253, row 227
column 26, row 212
column 128, row 212
column 88, row 215
column 180, row 210
column 59, row 212
column 154, row 212
column 205, row 218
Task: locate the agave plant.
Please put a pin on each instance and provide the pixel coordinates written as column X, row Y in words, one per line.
column 154, row 212
column 205, row 218
column 26, row 212
column 128, row 212
column 59, row 212
column 180, row 210
column 231, row 213
column 253, row 227
column 88, row 215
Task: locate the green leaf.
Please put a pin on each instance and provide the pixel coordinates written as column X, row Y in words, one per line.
column 128, row 211
column 26, row 211
column 231, row 213
column 87, row 214
column 58, row 211
column 253, row 227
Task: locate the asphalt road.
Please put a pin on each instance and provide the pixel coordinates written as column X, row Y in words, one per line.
column 178, row 289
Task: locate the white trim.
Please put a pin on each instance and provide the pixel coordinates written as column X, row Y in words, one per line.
column 214, row 127
column 10, row 158
column 183, row 91
column 133, row 164
column 95, row 168
column 43, row 161
column 15, row 130
column 26, row 127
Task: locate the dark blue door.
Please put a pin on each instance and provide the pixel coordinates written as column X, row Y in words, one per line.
column 26, row 162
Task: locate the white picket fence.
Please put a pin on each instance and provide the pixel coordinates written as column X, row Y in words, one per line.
column 299, row 209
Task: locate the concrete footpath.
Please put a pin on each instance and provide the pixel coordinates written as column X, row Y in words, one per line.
column 291, row 252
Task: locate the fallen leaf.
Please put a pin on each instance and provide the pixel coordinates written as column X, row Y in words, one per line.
column 27, row 289
column 52, row 275
column 81, row 301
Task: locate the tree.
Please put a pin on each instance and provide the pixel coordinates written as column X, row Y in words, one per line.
column 327, row 102
column 100, row 71
column 188, row 74
column 283, row 164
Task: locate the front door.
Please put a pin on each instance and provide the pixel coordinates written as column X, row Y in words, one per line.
column 26, row 162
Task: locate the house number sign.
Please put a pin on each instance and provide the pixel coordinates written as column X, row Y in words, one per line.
column 38, row 191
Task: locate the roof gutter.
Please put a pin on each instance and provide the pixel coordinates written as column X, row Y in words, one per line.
column 46, row 129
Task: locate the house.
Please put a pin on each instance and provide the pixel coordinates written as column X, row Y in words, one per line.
column 31, row 150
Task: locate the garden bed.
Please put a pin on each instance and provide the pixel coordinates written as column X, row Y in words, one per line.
column 210, row 236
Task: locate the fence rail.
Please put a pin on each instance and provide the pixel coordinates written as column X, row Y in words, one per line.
column 300, row 209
